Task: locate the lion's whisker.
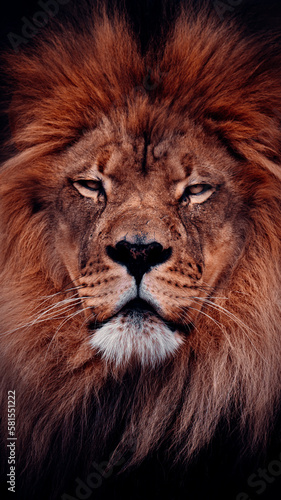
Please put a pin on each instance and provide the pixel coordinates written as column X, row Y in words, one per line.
column 237, row 320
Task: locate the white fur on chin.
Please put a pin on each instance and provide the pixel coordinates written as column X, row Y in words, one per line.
column 139, row 336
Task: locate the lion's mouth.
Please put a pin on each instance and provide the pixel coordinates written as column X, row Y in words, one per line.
column 139, row 310
column 139, row 306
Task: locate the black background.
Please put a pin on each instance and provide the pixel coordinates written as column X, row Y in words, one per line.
column 257, row 14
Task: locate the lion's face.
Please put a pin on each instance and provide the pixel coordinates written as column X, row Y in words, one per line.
column 148, row 229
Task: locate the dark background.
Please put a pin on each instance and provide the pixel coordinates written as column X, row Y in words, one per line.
column 257, row 14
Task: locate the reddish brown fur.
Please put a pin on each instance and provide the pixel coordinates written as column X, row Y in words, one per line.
column 230, row 87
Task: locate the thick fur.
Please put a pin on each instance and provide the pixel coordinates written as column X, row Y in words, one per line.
column 73, row 407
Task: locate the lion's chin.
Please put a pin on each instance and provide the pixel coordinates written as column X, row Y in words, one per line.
column 137, row 337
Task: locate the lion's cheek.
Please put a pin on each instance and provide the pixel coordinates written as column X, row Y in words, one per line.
column 101, row 301
column 220, row 257
column 67, row 249
column 175, row 305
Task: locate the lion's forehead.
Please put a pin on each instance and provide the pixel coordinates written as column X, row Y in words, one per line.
column 172, row 156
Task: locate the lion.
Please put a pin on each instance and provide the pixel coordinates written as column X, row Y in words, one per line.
column 140, row 261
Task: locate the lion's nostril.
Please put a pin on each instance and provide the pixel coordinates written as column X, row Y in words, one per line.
column 138, row 259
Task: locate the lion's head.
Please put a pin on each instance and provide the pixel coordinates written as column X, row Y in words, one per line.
column 149, row 227
column 141, row 243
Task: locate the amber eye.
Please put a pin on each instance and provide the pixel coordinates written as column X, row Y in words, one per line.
column 90, row 184
column 89, row 188
column 197, row 189
column 197, row 193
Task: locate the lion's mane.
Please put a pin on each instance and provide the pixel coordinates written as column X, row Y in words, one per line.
column 70, row 410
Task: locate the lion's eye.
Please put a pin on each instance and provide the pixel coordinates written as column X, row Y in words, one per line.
column 89, row 187
column 197, row 193
column 197, row 189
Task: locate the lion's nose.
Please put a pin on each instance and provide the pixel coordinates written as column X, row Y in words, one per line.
column 138, row 258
